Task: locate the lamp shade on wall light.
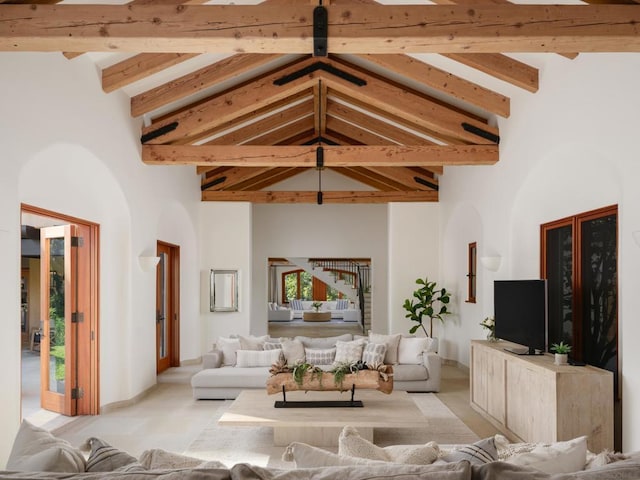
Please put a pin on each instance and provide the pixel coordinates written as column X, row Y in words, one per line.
column 148, row 263
column 491, row 263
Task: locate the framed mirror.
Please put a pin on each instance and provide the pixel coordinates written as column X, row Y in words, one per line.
column 224, row 291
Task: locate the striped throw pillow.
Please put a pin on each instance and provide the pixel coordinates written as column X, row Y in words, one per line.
column 479, row 453
column 373, row 353
column 257, row 358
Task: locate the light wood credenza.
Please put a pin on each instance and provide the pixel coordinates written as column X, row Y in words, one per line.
column 531, row 399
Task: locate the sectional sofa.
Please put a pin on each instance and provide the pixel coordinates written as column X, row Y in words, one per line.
column 239, row 363
column 339, row 309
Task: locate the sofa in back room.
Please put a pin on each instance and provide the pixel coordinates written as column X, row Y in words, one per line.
column 243, row 362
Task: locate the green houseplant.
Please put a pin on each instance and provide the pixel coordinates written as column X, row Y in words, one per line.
column 428, row 301
column 561, row 351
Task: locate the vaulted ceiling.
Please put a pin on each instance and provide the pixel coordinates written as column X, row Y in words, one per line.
column 315, row 88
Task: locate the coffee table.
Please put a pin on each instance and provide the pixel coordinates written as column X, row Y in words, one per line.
column 320, row 316
column 322, row 426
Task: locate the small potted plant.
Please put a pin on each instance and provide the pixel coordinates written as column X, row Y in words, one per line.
column 561, row 351
column 316, row 306
column 490, row 324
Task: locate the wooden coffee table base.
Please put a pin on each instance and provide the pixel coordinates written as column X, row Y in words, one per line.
column 322, row 426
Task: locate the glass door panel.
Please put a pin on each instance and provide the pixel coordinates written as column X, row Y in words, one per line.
column 58, row 302
column 164, row 309
column 559, row 275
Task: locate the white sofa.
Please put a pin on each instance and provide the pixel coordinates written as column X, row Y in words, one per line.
column 349, row 314
column 416, row 366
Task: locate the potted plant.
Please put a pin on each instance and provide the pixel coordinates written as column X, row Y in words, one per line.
column 316, row 305
column 428, row 301
column 490, row 324
column 561, row 351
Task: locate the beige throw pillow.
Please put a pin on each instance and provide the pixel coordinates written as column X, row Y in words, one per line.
column 252, row 343
column 293, row 351
column 349, row 352
column 391, row 341
column 37, row 450
column 228, row 347
column 410, row 350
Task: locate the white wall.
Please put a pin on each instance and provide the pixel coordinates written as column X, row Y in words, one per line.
column 70, row 148
column 225, row 244
column 327, row 230
column 569, row 148
column 414, row 252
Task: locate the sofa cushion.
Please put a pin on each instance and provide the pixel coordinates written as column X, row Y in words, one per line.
column 373, row 353
column 349, row 352
column 252, row 342
column 228, row 347
column 410, row 350
column 324, row 342
column 320, row 356
column 273, row 346
column 258, row 358
column 231, row 377
column 350, row 443
column 293, row 350
column 295, row 304
column 391, row 341
column 106, row 458
column 558, row 457
column 483, row 451
column 37, row 450
column 407, row 373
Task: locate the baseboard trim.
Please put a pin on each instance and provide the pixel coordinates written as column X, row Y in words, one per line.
column 192, row 361
column 110, row 407
column 455, row 363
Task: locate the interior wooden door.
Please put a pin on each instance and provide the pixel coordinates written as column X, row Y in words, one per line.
column 58, row 338
column 167, row 307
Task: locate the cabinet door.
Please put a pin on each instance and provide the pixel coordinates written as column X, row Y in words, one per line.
column 495, row 386
column 479, row 357
column 531, row 409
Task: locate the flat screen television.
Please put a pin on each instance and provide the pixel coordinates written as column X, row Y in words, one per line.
column 520, row 308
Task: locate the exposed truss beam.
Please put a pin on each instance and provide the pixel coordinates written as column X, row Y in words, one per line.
column 305, row 156
column 351, row 196
column 352, row 29
column 194, row 82
column 444, row 81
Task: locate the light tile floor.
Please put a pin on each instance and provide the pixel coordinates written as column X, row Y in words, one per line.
column 169, row 418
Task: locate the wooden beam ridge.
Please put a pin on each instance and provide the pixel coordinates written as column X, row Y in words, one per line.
column 352, row 29
column 305, row 156
column 351, row 196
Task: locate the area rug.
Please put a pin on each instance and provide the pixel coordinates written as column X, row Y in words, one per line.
column 231, row 445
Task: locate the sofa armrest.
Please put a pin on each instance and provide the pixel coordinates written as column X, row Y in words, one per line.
column 433, row 363
column 212, row 359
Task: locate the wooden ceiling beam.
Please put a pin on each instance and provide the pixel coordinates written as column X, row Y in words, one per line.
column 355, row 132
column 273, row 176
column 407, row 178
column 138, row 67
column 305, row 156
column 444, row 123
column 192, row 83
column 443, row 81
column 352, row 29
column 353, row 196
column 236, row 102
column 259, row 127
column 500, row 66
column 370, row 178
column 230, row 177
column 284, row 132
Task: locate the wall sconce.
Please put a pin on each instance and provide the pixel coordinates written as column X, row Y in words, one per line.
column 491, row 263
column 636, row 237
column 148, row 263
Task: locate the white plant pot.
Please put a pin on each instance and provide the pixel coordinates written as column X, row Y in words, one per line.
column 561, row 358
